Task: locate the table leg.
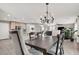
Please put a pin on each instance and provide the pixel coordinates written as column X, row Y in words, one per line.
column 44, row 52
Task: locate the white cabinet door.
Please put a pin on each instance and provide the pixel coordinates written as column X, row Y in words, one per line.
column 4, row 30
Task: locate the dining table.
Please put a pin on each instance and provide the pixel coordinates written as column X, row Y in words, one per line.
column 42, row 44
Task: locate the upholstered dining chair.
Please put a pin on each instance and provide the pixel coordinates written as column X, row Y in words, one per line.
column 57, row 48
column 32, row 35
column 26, row 49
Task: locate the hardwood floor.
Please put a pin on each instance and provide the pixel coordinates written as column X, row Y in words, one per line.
column 71, row 48
column 8, row 47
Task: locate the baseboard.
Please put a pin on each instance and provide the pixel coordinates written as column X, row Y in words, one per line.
column 5, row 39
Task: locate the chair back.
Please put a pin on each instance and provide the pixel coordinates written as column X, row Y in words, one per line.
column 60, row 44
column 57, row 45
column 23, row 37
column 31, row 35
column 48, row 33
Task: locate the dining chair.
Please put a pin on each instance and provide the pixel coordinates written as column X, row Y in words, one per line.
column 32, row 35
column 57, row 48
column 48, row 34
column 39, row 34
column 26, row 49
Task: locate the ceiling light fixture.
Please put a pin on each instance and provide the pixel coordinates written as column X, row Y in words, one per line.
column 48, row 18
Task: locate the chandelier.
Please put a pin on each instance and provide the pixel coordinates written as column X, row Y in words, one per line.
column 47, row 18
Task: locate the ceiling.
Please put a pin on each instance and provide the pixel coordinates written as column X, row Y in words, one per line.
column 33, row 11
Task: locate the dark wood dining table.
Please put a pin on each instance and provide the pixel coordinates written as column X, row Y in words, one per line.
column 42, row 44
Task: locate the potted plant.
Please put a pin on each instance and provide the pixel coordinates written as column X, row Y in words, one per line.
column 72, row 35
column 67, row 33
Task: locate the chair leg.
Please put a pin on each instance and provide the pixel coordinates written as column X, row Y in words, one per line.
column 61, row 51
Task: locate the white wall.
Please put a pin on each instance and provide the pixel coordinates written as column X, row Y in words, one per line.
column 4, row 30
column 66, row 20
column 66, row 25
